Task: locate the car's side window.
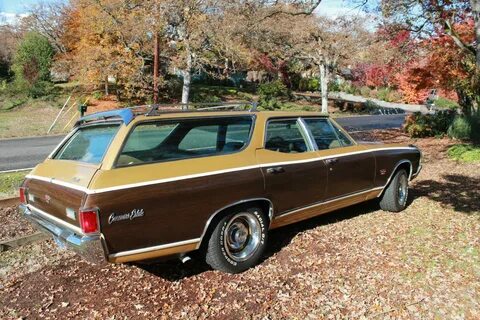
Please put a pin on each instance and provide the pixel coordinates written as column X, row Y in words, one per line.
column 342, row 137
column 324, row 133
column 200, row 139
column 185, row 138
column 285, row 136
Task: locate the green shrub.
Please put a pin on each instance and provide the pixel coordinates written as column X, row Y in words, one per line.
column 97, row 95
column 444, row 103
column 419, row 125
column 347, row 87
column 31, row 64
column 272, row 90
column 460, row 128
column 334, row 86
column 40, row 89
column 269, row 94
column 465, row 128
column 464, row 153
column 309, row 84
column 365, row 91
column 388, row 95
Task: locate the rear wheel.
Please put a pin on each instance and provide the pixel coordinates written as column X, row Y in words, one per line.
column 238, row 240
column 394, row 198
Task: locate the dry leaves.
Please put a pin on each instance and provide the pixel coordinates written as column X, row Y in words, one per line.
column 360, row 263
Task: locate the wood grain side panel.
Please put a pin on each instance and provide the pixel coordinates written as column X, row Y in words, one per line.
column 173, row 211
column 60, row 198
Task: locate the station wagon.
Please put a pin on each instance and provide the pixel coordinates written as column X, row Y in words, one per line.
column 129, row 185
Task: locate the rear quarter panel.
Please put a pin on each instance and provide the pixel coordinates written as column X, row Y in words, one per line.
column 389, row 156
column 177, row 198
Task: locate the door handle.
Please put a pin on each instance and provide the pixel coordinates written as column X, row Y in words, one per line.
column 332, row 161
column 275, row 170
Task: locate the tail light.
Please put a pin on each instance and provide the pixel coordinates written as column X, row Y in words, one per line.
column 23, row 195
column 89, row 220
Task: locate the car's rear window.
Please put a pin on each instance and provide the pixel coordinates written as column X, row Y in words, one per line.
column 88, row 144
column 185, row 138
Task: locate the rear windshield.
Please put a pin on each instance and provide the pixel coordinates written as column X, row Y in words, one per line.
column 88, row 144
column 186, row 138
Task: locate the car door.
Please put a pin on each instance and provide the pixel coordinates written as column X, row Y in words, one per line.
column 351, row 168
column 294, row 175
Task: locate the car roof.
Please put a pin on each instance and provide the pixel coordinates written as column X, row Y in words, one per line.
column 209, row 114
column 127, row 115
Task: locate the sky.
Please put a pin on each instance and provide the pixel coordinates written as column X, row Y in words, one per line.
column 9, row 9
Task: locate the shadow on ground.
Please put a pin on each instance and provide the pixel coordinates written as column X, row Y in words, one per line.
column 460, row 192
column 175, row 270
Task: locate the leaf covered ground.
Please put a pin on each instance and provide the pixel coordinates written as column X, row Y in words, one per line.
column 361, row 262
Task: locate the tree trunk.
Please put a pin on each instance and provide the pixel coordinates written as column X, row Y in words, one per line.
column 106, row 85
column 324, row 86
column 476, row 15
column 187, row 78
column 155, row 68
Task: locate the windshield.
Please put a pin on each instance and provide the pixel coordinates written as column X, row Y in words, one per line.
column 88, row 144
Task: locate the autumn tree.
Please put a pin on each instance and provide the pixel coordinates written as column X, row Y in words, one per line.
column 328, row 43
column 439, row 18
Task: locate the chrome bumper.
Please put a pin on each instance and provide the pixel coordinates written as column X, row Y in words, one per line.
column 88, row 247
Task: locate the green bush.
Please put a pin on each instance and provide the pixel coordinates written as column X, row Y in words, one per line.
column 444, row 103
column 31, row 64
column 460, row 128
column 309, row 84
column 334, row 86
column 40, row 89
column 365, row 91
column 347, row 87
column 465, row 128
column 419, row 125
column 388, row 95
column 464, row 153
column 269, row 94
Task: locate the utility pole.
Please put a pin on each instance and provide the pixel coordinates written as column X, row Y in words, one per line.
column 155, row 69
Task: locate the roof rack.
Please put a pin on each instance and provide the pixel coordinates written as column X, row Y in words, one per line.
column 155, row 109
column 127, row 114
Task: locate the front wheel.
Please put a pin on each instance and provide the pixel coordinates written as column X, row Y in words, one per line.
column 394, row 198
column 238, row 241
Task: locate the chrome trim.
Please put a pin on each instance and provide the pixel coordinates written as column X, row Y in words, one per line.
column 153, row 248
column 204, row 174
column 393, row 172
column 48, row 216
column 90, row 247
column 312, row 144
column 319, row 203
column 270, row 214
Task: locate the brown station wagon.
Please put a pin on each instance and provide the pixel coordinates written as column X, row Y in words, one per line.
column 128, row 186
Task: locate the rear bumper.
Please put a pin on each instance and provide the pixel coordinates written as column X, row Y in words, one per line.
column 88, row 247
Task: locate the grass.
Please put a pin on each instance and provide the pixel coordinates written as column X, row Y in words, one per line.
column 9, row 183
column 33, row 117
column 464, row 153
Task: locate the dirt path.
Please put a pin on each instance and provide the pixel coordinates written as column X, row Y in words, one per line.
column 423, row 263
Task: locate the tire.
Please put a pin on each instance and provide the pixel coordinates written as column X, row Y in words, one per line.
column 238, row 241
column 394, row 198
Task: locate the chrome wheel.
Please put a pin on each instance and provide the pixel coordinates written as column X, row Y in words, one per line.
column 242, row 236
column 402, row 189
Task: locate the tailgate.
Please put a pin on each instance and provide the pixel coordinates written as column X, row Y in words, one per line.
column 59, row 187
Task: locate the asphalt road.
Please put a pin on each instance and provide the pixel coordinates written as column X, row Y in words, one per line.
column 27, row 152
